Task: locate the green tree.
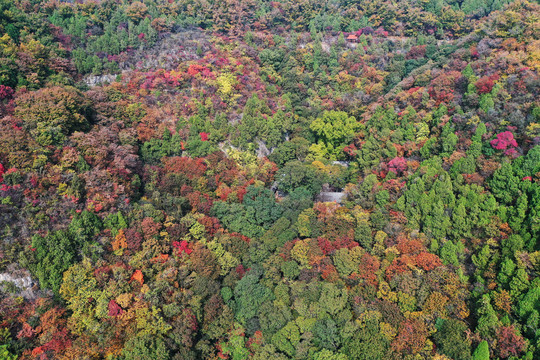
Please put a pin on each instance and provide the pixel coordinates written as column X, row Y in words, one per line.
column 5, row 354
column 145, row 347
column 295, row 175
column 334, row 130
column 249, row 295
column 504, row 184
column 451, row 339
column 481, row 352
column 488, row 322
column 54, row 254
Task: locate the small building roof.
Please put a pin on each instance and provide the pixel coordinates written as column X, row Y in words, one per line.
column 352, row 37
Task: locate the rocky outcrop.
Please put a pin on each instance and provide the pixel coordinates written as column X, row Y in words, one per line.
column 21, row 279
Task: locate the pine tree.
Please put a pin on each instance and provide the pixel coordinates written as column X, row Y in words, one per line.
column 481, row 352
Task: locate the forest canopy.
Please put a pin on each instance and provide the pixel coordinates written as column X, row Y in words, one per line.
column 292, row 179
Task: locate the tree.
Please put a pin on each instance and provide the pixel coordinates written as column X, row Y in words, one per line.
column 287, row 338
column 333, row 299
column 488, row 320
column 136, row 11
column 295, row 175
column 249, row 295
column 145, row 347
column 326, row 354
column 53, row 113
column 264, row 205
column 481, row 352
column 334, row 130
column 54, row 254
column 5, row 354
column 411, row 338
column 451, row 340
column 510, row 342
column 257, row 213
column 367, row 343
column 504, row 184
column 326, row 334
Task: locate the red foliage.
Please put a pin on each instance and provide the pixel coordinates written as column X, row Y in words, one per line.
column 400, row 265
column 485, row 84
column 191, row 168
column 2, row 171
column 138, row 276
column 411, row 338
column 325, row 245
column 329, row 272
column 442, row 87
column 114, row 309
column 256, row 339
column 416, row 52
column 102, row 273
column 509, row 342
column 345, row 242
column 474, row 52
column 241, row 193
column 368, row 268
column 406, row 246
column 204, row 136
column 350, row 150
column 428, row 261
column 26, row 331
column 182, row 246
column 150, row 228
column 195, row 69
column 240, row 270
column 133, row 239
column 504, row 141
column 325, row 211
column 161, row 258
column 6, row 92
column 200, row 202
column 240, row 237
column 211, row 224
column 53, row 334
column 397, row 165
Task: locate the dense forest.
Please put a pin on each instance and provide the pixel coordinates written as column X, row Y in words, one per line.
column 254, row 179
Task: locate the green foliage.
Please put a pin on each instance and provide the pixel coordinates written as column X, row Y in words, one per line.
column 249, row 295
column 481, row 352
column 295, row 175
column 334, row 130
column 58, row 250
column 54, row 254
column 256, row 214
column 5, row 354
column 145, row 347
column 488, row 321
column 157, row 244
column 451, row 340
column 367, row 344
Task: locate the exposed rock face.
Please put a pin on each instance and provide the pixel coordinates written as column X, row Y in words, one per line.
column 342, row 163
column 23, row 281
column 330, row 196
column 94, row 80
column 263, row 150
